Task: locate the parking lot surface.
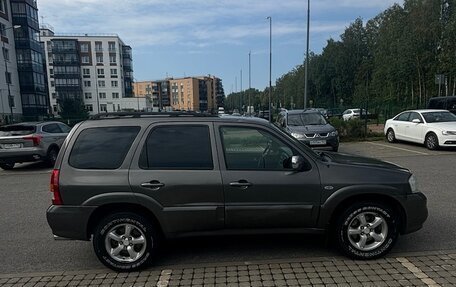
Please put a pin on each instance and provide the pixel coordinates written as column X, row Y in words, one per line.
column 27, row 244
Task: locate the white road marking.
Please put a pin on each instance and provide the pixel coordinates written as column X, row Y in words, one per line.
column 398, row 148
column 417, row 272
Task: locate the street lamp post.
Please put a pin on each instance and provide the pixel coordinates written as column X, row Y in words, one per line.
column 270, row 64
column 307, row 56
column 8, row 80
column 250, row 81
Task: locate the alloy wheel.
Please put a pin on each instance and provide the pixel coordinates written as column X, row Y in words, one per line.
column 125, row 243
column 367, row 231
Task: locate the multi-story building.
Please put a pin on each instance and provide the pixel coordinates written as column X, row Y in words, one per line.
column 30, row 62
column 10, row 96
column 95, row 68
column 203, row 94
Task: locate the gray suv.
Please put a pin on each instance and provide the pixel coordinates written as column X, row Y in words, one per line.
column 31, row 141
column 129, row 180
column 309, row 127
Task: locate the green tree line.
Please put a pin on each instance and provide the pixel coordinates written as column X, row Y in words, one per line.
column 388, row 63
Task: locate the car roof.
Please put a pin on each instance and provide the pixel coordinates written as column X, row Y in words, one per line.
column 306, row 111
column 426, row 110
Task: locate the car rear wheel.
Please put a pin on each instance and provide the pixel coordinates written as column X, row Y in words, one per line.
column 390, row 136
column 125, row 242
column 7, row 166
column 52, row 156
column 432, row 142
column 367, row 230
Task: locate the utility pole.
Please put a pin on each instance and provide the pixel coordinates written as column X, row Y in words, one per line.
column 250, row 80
column 240, row 96
column 270, row 65
column 307, row 55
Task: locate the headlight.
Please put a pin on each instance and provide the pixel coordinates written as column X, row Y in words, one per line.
column 412, row 183
column 297, row 135
column 333, row 134
column 448, row 133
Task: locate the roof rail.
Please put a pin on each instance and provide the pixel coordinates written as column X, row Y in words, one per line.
column 118, row 115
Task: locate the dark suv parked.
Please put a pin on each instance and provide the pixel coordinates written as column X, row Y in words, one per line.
column 443, row 103
column 310, row 127
column 129, row 180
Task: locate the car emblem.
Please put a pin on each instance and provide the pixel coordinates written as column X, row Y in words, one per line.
column 317, row 135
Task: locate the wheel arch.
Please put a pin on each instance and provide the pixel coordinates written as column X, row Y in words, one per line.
column 51, row 147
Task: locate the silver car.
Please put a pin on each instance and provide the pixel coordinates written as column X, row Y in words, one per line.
column 31, row 141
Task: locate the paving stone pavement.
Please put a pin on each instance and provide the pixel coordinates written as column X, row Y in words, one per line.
column 437, row 268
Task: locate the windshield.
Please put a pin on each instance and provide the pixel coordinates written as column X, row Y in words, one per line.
column 439, row 117
column 16, row 130
column 306, row 119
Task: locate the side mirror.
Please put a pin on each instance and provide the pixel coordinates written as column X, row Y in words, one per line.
column 416, row 121
column 297, row 162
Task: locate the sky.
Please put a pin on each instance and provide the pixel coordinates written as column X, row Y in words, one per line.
column 177, row 38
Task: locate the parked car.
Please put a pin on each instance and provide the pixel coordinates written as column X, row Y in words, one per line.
column 351, row 114
column 444, row 103
column 126, row 180
column 334, row 113
column 433, row 128
column 31, row 141
column 309, row 127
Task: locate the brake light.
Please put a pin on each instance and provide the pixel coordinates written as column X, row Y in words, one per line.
column 36, row 139
column 55, row 191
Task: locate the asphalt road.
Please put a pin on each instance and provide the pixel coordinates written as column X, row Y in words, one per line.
column 26, row 243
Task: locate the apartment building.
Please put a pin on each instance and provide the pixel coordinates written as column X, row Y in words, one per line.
column 203, row 94
column 95, row 68
column 10, row 94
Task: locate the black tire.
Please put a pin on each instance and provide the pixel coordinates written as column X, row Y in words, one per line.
column 52, row 156
column 390, row 136
column 140, row 225
column 349, row 216
column 431, row 142
column 7, row 166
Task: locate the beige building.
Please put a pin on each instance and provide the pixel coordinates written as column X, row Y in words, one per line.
column 188, row 94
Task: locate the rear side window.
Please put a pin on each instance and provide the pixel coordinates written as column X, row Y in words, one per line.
column 16, row 130
column 178, row 147
column 102, row 148
column 52, row 129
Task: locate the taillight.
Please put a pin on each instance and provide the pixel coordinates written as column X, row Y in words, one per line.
column 55, row 191
column 36, row 139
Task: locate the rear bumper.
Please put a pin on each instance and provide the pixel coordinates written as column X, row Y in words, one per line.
column 70, row 222
column 416, row 212
column 22, row 155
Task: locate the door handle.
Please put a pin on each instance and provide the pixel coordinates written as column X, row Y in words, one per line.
column 154, row 185
column 242, row 184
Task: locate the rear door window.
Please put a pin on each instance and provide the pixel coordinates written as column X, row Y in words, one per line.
column 178, row 147
column 102, row 148
column 52, row 129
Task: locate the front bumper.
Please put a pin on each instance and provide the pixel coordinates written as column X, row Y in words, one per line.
column 449, row 140
column 70, row 221
column 416, row 212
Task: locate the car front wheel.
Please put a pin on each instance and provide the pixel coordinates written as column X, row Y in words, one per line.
column 7, row 166
column 431, row 141
column 367, row 230
column 390, row 136
column 125, row 242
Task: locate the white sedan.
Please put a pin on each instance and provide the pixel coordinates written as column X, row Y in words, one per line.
column 351, row 114
column 433, row 128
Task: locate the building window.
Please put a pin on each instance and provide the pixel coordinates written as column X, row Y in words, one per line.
column 114, row 84
column 54, row 95
column 54, row 108
column 102, row 95
column 118, row 107
column 51, row 71
column 52, row 84
column 2, row 6
column 99, row 59
column 86, row 71
column 112, row 46
column 98, row 47
column 87, row 96
column 100, row 72
column 5, row 54
column 87, row 84
column 115, row 95
column 84, row 47
column 101, row 84
column 112, row 59
column 114, row 72
column 2, row 26
column 89, row 108
column 103, row 108
column 85, row 59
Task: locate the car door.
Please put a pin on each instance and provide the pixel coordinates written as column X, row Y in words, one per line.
column 415, row 131
column 399, row 125
column 260, row 189
column 176, row 166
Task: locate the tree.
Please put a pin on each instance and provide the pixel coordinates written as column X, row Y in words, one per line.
column 73, row 109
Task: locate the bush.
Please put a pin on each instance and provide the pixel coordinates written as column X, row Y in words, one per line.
column 352, row 129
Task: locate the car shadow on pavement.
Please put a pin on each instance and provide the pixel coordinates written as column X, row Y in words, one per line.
column 32, row 166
